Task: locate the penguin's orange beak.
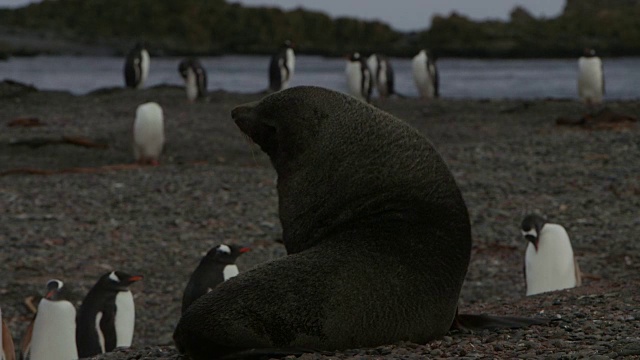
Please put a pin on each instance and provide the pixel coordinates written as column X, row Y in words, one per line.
column 244, row 250
column 135, row 278
column 50, row 294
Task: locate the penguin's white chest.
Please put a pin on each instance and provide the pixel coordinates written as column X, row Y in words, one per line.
column 382, row 81
column 422, row 76
column 144, row 67
column 358, row 81
column 54, row 331
column 590, row 79
column 191, row 85
column 287, row 74
column 125, row 318
column 229, row 271
column 148, row 132
column 372, row 63
column 552, row 267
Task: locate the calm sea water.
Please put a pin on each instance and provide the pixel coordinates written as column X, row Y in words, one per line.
column 460, row 78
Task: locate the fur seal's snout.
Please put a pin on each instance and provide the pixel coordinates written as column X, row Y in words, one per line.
column 376, row 229
column 246, row 118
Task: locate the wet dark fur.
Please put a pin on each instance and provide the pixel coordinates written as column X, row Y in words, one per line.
column 375, row 226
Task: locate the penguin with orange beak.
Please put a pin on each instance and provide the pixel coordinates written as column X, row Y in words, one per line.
column 106, row 317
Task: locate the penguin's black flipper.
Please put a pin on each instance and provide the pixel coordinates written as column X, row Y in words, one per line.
column 472, row 322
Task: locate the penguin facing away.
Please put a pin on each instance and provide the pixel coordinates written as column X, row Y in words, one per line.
column 282, row 67
column 51, row 334
column 7, row 351
column 549, row 263
column 106, row 317
column 195, row 78
column 219, row 265
column 148, row 133
column 590, row 78
column 382, row 74
column 359, row 79
column 425, row 75
column 136, row 66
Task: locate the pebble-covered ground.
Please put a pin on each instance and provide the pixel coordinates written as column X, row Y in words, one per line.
column 214, row 185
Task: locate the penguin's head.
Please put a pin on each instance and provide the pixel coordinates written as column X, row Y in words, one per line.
column 531, row 226
column 55, row 290
column 589, row 52
column 355, row 56
column 117, row 281
column 288, row 44
column 226, row 254
column 186, row 64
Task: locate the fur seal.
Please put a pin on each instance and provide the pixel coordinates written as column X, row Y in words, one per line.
column 375, row 226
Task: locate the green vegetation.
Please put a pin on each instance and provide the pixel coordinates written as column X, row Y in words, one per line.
column 217, row 26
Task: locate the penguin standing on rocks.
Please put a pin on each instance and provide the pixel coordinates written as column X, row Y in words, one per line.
column 281, row 67
column 106, row 317
column 148, row 133
column 590, row 78
column 549, row 263
column 425, row 75
column 8, row 351
column 136, row 66
column 382, row 74
column 219, row 265
column 51, row 334
column 359, row 79
column 195, row 78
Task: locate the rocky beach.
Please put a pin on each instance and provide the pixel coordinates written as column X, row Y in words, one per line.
column 72, row 207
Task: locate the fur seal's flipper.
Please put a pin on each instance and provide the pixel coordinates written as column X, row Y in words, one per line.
column 472, row 322
column 376, row 229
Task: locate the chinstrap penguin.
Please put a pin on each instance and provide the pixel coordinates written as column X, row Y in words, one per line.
column 136, row 66
column 359, row 79
column 590, row 78
column 51, row 334
column 106, row 318
column 549, row 263
column 282, row 67
column 217, row 266
column 382, row 74
column 8, row 351
column 148, row 133
column 425, row 75
column 195, row 78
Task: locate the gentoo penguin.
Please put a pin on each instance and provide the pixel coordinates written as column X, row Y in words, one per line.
column 219, row 265
column 281, row 67
column 8, row 351
column 549, row 263
column 195, row 78
column 136, row 66
column 590, row 78
column 425, row 75
column 106, row 317
column 381, row 215
column 382, row 74
column 51, row 334
column 148, row 133
column 359, row 79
